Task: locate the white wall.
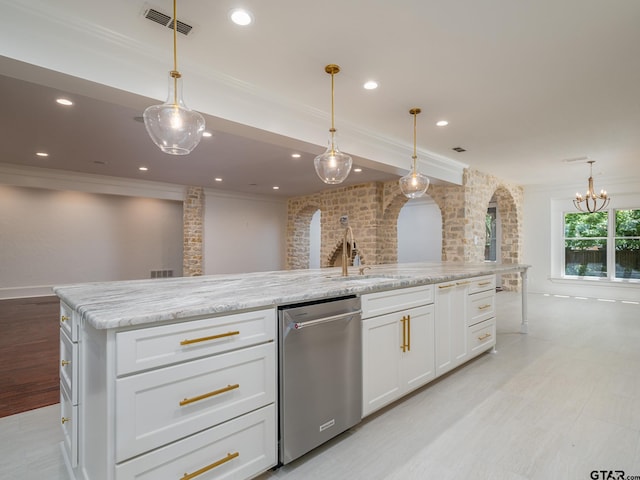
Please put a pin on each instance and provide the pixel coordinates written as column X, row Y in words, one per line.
column 543, row 247
column 243, row 233
column 315, row 239
column 51, row 237
column 420, row 231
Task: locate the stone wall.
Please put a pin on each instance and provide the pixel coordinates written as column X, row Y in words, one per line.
column 373, row 210
column 193, row 220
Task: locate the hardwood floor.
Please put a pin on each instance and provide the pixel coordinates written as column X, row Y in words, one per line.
column 29, row 351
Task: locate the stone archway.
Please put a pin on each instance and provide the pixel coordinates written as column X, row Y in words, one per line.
column 298, row 236
column 510, row 247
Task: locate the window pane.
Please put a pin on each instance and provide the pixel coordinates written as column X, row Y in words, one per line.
column 585, row 258
column 628, row 258
column 627, row 223
column 585, row 224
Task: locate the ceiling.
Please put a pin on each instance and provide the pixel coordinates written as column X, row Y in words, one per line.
column 525, row 86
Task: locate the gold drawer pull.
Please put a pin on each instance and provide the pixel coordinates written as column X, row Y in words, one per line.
column 206, row 339
column 447, row 286
column 65, row 420
column 482, row 337
column 484, row 307
column 230, row 456
column 64, row 318
column 463, row 283
column 64, row 363
column 482, row 284
column 228, row 388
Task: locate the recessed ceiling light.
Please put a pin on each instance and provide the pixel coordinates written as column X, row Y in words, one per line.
column 357, row 170
column 42, row 154
column 276, row 188
column 143, row 169
column 295, row 155
column 442, row 123
column 371, row 85
column 207, row 134
column 241, row 17
column 218, row 179
column 64, row 101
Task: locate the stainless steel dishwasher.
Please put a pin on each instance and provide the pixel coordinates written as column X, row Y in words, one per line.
column 320, row 373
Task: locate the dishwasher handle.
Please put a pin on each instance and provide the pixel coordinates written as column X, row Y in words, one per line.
column 313, row 323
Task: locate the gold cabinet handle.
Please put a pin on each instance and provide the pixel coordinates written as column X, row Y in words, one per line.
column 228, row 388
column 65, row 420
column 206, row 339
column 404, row 334
column 484, row 307
column 230, row 456
column 64, row 363
column 463, row 283
column 482, row 284
column 64, row 318
column 408, row 333
column 482, row 337
column 447, row 286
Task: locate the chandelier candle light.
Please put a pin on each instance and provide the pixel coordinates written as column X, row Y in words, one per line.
column 414, row 184
column 173, row 127
column 332, row 166
column 591, row 198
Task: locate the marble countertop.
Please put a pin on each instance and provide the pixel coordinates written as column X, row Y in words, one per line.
column 109, row 305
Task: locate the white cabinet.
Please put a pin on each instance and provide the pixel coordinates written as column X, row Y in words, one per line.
column 451, row 325
column 154, row 402
column 69, row 366
column 397, row 347
column 465, row 320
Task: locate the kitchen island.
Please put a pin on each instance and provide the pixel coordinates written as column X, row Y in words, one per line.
column 159, row 378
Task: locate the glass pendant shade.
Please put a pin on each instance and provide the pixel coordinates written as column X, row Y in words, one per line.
column 414, row 184
column 173, row 127
column 333, row 166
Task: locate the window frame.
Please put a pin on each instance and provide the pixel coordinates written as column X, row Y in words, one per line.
column 611, row 250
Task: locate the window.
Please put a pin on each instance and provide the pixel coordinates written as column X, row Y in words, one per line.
column 627, row 244
column 585, row 244
column 587, row 241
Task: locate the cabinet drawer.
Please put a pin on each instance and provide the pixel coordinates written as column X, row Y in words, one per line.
column 69, row 422
column 482, row 306
column 159, row 346
column 69, row 366
column 380, row 303
column 68, row 322
column 482, row 336
column 161, row 406
column 247, row 443
column 481, row 284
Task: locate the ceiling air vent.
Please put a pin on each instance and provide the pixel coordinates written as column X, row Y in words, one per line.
column 166, row 21
column 458, row 149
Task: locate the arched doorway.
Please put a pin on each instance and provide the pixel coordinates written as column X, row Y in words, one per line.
column 419, row 231
column 502, row 244
column 299, row 239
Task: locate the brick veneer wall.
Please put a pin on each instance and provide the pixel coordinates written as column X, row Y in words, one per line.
column 193, row 220
column 373, row 210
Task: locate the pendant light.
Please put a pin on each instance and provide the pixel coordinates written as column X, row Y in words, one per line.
column 591, row 198
column 173, row 127
column 414, row 184
column 332, row 166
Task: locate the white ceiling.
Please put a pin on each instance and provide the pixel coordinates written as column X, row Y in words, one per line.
column 524, row 84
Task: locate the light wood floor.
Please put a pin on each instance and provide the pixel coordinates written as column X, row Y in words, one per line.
column 554, row 404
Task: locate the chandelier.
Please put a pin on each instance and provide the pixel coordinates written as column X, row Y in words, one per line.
column 593, row 202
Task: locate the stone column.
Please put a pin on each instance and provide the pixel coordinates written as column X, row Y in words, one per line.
column 193, row 220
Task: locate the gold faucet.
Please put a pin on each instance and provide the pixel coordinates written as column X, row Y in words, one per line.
column 361, row 270
column 345, row 258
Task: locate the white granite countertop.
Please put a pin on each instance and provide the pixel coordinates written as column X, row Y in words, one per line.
column 108, row 305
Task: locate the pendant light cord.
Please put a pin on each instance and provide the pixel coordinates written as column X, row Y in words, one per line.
column 175, row 74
